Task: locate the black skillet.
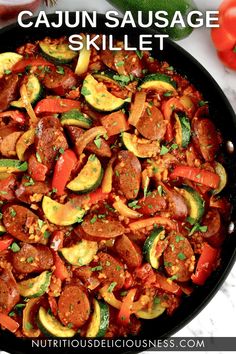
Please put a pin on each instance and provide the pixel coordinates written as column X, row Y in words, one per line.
column 224, row 118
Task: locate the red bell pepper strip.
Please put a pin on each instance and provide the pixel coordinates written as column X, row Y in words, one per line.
column 198, row 175
column 53, row 305
column 57, row 240
column 8, row 323
column 60, row 269
column 84, row 201
column 17, row 116
column 115, row 123
column 126, row 307
column 5, row 243
column 167, row 285
column 56, row 105
column 168, row 107
column 65, row 164
column 22, row 64
column 205, row 265
column 36, row 169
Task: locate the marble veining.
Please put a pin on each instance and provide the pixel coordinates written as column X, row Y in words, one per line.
column 218, row 318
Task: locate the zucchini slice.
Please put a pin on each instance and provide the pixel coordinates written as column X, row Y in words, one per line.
column 34, row 92
column 29, row 329
column 2, row 230
column 112, row 77
column 220, row 170
column 156, row 311
column 75, row 117
column 140, row 147
column 35, row 287
column 89, row 178
column 7, row 61
column 24, row 142
column 150, row 246
column 80, row 254
column 61, row 214
column 195, row 203
column 182, row 129
column 57, row 53
column 9, row 165
column 99, row 321
column 98, row 97
column 51, row 327
column 159, row 82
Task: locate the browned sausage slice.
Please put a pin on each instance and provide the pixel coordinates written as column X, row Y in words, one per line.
column 152, row 203
column 22, row 223
column 45, row 123
column 112, row 270
column 152, row 124
column 7, row 188
column 9, row 295
column 30, row 193
column 128, row 174
column 102, row 228
column 60, row 80
column 73, row 306
column 8, row 144
column 49, row 146
column 179, row 257
column 8, row 91
column 129, row 251
column 213, row 223
column 208, row 140
column 107, row 57
column 32, row 259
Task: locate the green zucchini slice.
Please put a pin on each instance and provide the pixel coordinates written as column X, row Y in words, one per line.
column 98, row 97
column 9, row 165
column 80, row 254
column 159, row 82
column 99, row 321
column 150, row 245
column 7, row 61
column 89, row 178
column 195, row 203
column 34, row 92
column 182, row 129
column 220, row 170
column 75, row 117
column 57, row 53
column 142, row 148
column 35, row 287
column 156, row 311
column 51, row 327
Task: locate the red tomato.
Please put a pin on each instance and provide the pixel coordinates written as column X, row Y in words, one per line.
column 222, row 39
column 228, row 58
column 225, row 5
column 228, row 19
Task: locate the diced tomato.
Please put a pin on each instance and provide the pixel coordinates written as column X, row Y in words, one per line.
column 115, row 123
column 8, row 323
column 126, row 307
column 206, row 264
column 207, row 178
column 5, row 242
column 36, row 169
column 64, row 165
column 61, row 271
column 56, row 105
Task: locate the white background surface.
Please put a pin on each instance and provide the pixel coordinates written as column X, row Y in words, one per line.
column 219, row 317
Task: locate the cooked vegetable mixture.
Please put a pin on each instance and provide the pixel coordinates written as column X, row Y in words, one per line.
column 110, row 182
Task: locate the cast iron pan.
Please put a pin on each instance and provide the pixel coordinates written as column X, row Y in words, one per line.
column 224, row 118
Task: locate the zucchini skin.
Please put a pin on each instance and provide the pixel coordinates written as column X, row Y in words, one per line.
column 159, row 77
column 7, row 165
column 50, row 52
column 195, row 203
column 150, row 243
column 42, row 288
column 183, row 130
column 99, row 320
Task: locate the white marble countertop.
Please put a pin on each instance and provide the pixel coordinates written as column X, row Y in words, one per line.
column 219, row 317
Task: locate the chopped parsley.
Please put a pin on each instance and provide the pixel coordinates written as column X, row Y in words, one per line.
column 30, row 259
column 14, row 247
column 7, row 72
column 134, row 205
column 120, row 63
column 112, row 287
column 98, row 142
column 38, row 157
column 160, row 190
column 164, row 150
column 156, row 300
column 181, row 256
column 60, row 70
column 94, row 219
column 168, row 94
column 198, row 227
column 202, row 103
column 12, row 212
column 97, row 268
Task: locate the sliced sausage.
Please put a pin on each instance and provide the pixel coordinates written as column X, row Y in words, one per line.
column 8, row 91
column 112, row 269
column 32, row 259
column 73, row 306
column 103, row 151
column 177, row 205
column 179, row 257
column 152, row 124
column 152, row 203
column 213, row 222
column 102, row 228
column 22, row 223
column 129, row 251
column 128, row 174
column 128, row 63
column 7, row 186
column 9, row 295
column 30, row 193
column 36, row 169
column 207, row 138
column 8, row 144
column 45, row 123
column 49, row 144
column 107, row 57
column 60, row 81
